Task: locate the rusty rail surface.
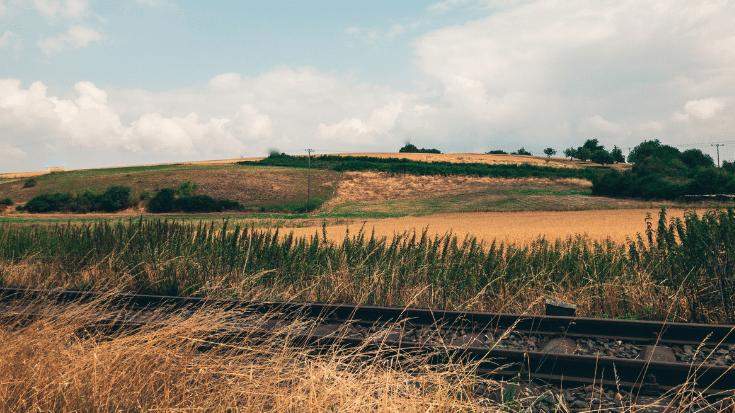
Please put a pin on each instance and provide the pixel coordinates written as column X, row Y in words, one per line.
column 645, row 356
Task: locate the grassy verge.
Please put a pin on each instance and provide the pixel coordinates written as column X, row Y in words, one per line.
column 679, row 271
column 57, row 364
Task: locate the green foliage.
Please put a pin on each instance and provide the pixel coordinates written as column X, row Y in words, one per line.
column 663, row 172
column 570, row 153
column 398, row 165
column 30, row 183
column 163, row 201
column 497, row 152
column 275, row 154
column 187, row 188
column 583, row 154
column 6, row 201
column 166, row 200
column 593, row 145
column 617, row 155
column 410, row 148
column 549, row 152
column 115, row 198
column 50, row 202
column 693, row 260
column 694, row 158
column 522, row 151
column 144, row 195
column 602, row 157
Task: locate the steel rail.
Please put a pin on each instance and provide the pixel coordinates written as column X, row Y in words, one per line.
column 345, row 324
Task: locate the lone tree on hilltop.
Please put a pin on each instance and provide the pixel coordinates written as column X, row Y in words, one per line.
column 550, row 152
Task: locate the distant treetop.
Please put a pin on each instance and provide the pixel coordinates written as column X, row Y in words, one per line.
column 411, row 148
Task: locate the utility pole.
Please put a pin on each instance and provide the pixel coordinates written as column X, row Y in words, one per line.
column 308, row 185
column 718, row 152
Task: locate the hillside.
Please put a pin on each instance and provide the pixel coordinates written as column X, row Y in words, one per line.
column 347, row 194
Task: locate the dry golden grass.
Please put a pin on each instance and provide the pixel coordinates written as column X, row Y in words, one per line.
column 379, row 186
column 58, row 364
column 519, row 228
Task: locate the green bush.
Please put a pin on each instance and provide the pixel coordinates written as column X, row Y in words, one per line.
column 497, row 152
column 115, row 198
column 54, row 202
column 6, row 201
column 410, row 148
column 166, row 201
column 30, row 183
column 163, row 201
column 663, row 172
column 187, row 188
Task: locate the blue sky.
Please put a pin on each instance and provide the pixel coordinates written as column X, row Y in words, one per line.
column 90, row 83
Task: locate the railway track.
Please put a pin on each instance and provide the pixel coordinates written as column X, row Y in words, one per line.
column 645, row 357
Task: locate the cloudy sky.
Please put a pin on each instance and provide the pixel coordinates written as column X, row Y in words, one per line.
column 90, row 83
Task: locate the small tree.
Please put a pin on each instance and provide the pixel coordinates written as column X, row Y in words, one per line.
column 550, row 152
column 602, row 157
column 522, row 151
column 570, row 152
column 617, row 155
column 583, row 154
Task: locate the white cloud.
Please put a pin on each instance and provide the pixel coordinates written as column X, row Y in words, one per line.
column 447, row 5
column 75, row 38
column 654, row 127
column 90, row 122
column 395, row 30
column 701, row 109
column 226, row 81
column 380, row 122
column 11, row 40
column 7, row 151
column 69, row 9
column 705, row 108
column 596, row 125
column 529, row 66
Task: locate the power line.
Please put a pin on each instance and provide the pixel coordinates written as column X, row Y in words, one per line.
column 718, row 152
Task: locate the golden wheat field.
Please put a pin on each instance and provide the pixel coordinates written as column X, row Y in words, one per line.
column 507, row 227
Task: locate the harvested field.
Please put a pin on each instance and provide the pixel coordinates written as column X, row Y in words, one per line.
column 507, row 227
column 378, row 186
column 390, row 195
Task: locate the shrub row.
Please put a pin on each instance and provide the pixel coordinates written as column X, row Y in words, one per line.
column 398, row 165
column 166, row 200
column 115, row 198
